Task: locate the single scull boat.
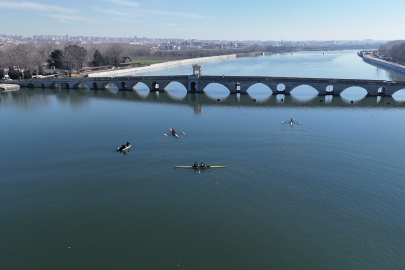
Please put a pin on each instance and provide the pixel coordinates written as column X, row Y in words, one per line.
column 193, row 167
column 174, row 133
column 124, row 147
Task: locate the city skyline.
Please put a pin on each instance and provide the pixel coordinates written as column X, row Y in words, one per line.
column 208, row 20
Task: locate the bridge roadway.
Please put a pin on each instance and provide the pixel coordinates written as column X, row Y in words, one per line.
column 235, row 84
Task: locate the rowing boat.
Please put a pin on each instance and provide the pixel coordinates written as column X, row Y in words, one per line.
column 192, row 167
column 174, row 133
column 127, row 147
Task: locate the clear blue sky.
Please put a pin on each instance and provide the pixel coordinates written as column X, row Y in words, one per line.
column 207, row 19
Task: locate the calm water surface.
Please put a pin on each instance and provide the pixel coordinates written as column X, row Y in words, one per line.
column 327, row 194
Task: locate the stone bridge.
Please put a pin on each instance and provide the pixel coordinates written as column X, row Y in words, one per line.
column 235, row 84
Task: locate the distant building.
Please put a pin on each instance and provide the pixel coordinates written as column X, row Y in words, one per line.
column 126, row 61
column 233, row 45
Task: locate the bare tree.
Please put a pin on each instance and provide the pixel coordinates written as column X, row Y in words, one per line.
column 3, row 59
column 113, row 54
column 398, row 52
column 73, row 57
column 22, row 56
column 43, row 53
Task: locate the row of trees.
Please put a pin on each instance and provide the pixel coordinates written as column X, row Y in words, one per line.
column 34, row 57
column 394, row 49
column 71, row 57
column 30, row 56
column 398, row 52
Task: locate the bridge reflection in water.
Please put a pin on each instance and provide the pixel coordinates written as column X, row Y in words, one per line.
column 196, row 101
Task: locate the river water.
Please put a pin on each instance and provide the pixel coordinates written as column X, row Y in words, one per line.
column 326, row 194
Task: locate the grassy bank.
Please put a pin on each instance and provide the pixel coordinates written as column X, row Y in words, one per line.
column 147, row 61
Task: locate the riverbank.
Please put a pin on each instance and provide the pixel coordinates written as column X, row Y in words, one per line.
column 383, row 63
column 130, row 71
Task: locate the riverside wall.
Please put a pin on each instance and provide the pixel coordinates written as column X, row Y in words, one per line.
column 383, row 63
column 130, row 71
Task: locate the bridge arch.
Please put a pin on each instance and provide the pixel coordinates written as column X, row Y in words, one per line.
column 95, row 87
column 123, row 86
column 54, row 86
column 304, row 92
column 354, row 93
column 216, row 90
column 280, row 87
column 110, row 86
column 80, row 86
column 67, row 86
column 211, row 85
column 31, row 85
column 238, row 87
column 399, row 95
column 175, row 85
column 381, row 91
column 133, row 85
column 329, row 89
column 175, row 90
column 155, row 86
column 193, row 87
column 259, row 91
column 141, row 89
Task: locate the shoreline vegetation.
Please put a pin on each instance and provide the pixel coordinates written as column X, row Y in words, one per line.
column 390, row 55
column 386, row 64
column 26, row 61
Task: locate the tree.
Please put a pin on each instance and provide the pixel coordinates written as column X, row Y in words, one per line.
column 73, row 57
column 1, row 73
column 3, row 59
column 41, row 71
column 113, row 54
column 27, row 74
column 56, row 59
column 14, row 74
column 98, row 59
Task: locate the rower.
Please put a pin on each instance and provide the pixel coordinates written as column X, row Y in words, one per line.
column 292, row 120
column 202, row 164
column 195, row 164
column 128, row 144
column 173, row 131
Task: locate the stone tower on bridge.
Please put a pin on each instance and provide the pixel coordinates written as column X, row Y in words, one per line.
column 197, row 70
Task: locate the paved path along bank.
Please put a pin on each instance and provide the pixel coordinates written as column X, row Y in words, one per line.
column 383, row 63
column 130, row 71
